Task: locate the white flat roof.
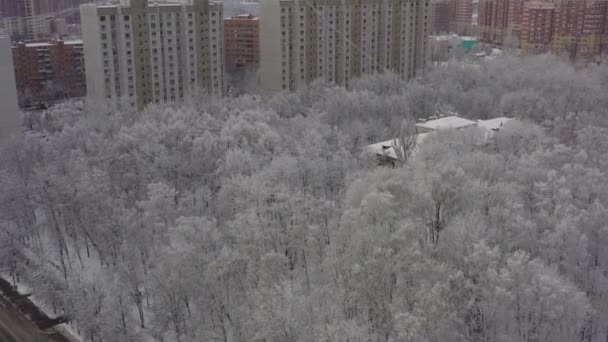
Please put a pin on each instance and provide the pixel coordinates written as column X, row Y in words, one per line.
column 448, row 122
column 493, row 124
column 46, row 44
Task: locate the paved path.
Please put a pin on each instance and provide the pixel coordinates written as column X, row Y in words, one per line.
column 14, row 327
column 22, row 321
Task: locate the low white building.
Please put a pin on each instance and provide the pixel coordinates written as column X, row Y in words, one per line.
column 388, row 152
column 447, row 122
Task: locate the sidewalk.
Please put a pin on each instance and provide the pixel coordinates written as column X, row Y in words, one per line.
column 22, row 303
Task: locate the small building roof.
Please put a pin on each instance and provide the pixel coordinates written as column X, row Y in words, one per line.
column 448, row 122
column 493, row 124
column 489, row 127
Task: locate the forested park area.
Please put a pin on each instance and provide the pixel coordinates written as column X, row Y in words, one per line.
column 262, row 218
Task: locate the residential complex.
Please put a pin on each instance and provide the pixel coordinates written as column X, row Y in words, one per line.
column 37, row 19
column 537, row 27
column 581, row 28
column 576, row 28
column 47, row 72
column 140, row 53
column 338, row 40
column 452, row 16
column 242, row 43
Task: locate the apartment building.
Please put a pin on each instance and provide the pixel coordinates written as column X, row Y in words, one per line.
column 581, row 28
column 463, row 13
column 242, row 43
column 451, row 16
column 577, row 28
column 537, row 27
column 339, row 40
column 442, row 16
column 493, row 19
column 48, row 72
column 137, row 53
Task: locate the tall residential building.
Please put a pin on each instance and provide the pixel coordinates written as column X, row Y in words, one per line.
column 463, row 12
column 442, row 16
column 577, row 28
column 47, row 72
column 493, row 19
column 537, row 27
column 139, row 53
column 10, row 118
column 581, row 28
column 242, row 43
column 12, row 8
column 338, row 40
column 451, row 16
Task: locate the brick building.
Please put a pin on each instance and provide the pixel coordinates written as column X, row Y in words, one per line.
column 581, row 28
column 47, row 72
column 242, row 43
column 537, row 27
column 577, row 28
column 452, row 16
column 463, row 13
column 442, row 14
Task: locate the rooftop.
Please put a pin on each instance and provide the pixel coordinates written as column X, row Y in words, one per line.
column 493, row 124
column 47, row 44
column 448, row 122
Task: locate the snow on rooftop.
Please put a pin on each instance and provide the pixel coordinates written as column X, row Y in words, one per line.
column 448, row 122
column 47, row 44
column 493, row 124
column 387, row 148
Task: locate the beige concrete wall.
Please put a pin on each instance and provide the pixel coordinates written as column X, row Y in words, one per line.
column 270, row 46
column 10, row 117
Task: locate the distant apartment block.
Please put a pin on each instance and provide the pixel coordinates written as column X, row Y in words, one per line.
column 463, row 13
column 442, row 16
column 242, row 43
column 581, row 28
column 47, row 72
column 30, row 20
column 576, row 28
column 137, row 53
column 336, row 41
column 494, row 19
column 451, row 16
column 537, row 27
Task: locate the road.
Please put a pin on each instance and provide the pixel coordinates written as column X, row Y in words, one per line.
column 14, row 327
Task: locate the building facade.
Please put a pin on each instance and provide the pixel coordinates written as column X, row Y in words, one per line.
column 537, row 26
column 48, row 72
column 581, row 28
column 339, row 40
column 576, row 28
column 10, row 118
column 452, row 16
column 463, row 14
column 137, row 53
column 442, row 16
column 242, row 43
